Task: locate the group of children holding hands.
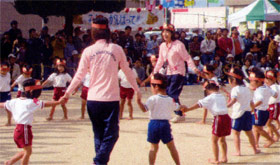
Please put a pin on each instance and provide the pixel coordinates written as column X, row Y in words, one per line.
column 250, row 113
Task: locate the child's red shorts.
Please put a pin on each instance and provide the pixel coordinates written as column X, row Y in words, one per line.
column 126, row 93
column 221, row 125
column 273, row 110
column 58, row 92
column 23, row 135
column 84, row 93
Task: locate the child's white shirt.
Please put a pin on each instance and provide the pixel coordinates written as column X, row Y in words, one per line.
column 275, row 87
column 60, row 80
column 216, row 103
column 22, row 109
column 20, row 81
column 243, row 98
column 86, row 80
column 263, row 93
column 5, row 81
column 161, row 107
column 123, row 81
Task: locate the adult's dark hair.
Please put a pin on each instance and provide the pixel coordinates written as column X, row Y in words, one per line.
column 233, row 28
column 163, row 79
column 98, row 33
column 224, row 29
column 212, row 86
column 137, row 35
column 127, row 28
column 33, row 93
column 31, row 30
column 14, row 22
column 238, row 72
column 258, row 72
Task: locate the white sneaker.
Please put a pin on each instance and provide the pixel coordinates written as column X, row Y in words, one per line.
column 178, row 119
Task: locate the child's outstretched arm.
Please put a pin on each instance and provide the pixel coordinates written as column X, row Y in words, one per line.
column 13, row 85
column 52, row 103
column 254, row 105
column 141, row 105
column 195, row 106
column 231, row 102
column 45, row 82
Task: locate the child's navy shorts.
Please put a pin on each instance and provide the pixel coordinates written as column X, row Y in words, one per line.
column 243, row 123
column 159, row 130
column 260, row 117
column 4, row 96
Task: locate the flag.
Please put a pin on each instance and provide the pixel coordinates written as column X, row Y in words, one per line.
column 179, row 3
column 189, row 2
column 213, row 1
column 168, row 3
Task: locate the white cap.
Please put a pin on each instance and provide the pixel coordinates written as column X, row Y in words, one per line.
column 230, row 55
column 277, row 38
column 74, row 52
column 12, row 55
column 279, row 58
column 196, row 58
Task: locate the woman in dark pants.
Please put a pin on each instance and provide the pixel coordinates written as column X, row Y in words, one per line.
column 173, row 53
column 103, row 59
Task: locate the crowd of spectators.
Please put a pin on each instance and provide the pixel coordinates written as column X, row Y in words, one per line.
column 221, row 49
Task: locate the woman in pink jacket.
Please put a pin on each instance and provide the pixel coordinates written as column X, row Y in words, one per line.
column 173, row 53
column 103, row 59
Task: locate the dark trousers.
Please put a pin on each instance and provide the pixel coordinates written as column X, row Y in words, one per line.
column 175, row 86
column 36, row 73
column 104, row 117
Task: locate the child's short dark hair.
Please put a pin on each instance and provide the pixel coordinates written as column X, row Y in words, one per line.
column 238, row 72
column 212, row 86
column 258, row 73
column 33, row 93
column 162, row 78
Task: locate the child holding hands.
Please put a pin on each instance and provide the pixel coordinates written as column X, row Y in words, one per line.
column 160, row 107
column 22, row 110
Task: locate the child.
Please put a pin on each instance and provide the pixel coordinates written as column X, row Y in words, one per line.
column 60, row 79
column 260, row 105
column 5, row 94
column 270, row 80
column 160, row 107
column 26, row 74
column 209, row 75
column 241, row 111
column 22, row 109
column 126, row 91
column 216, row 104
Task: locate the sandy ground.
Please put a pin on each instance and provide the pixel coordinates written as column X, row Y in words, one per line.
column 71, row 142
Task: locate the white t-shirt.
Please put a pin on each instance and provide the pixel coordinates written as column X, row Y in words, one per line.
column 276, row 88
column 123, row 81
column 22, row 109
column 216, row 103
column 243, row 96
column 20, row 81
column 60, row 80
column 161, row 107
column 263, row 93
column 5, row 81
column 86, row 80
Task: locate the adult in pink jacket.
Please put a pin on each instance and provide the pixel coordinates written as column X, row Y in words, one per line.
column 103, row 60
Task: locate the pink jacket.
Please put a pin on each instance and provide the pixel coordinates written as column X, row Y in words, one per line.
column 103, row 59
column 175, row 54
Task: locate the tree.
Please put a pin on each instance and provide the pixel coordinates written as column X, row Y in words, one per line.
column 67, row 8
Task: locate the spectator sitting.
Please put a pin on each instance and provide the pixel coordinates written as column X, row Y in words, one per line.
column 14, row 67
column 246, row 68
column 251, row 57
column 192, row 76
column 264, row 65
column 140, row 70
column 218, row 65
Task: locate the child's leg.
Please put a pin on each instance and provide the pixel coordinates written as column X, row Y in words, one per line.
column 52, row 112
column 272, row 129
column 278, row 124
column 259, row 129
column 130, row 109
column 153, row 153
column 236, row 137
column 223, row 145
column 122, row 108
column 64, row 108
column 173, row 152
column 215, row 149
column 9, row 117
column 83, row 108
column 256, row 136
column 27, row 154
column 252, row 141
column 15, row 158
column 203, row 121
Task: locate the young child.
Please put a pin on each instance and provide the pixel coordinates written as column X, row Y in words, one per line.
column 271, row 81
column 126, row 91
column 22, row 110
column 216, row 104
column 26, row 74
column 160, row 107
column 59, row 79
column 5, row 94
column 241, row 99
column 260, row 105
column 209, row 75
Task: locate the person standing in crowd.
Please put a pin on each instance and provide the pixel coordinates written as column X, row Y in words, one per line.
column 196, row 33
column 77, row 40
column 126, row 41
column 272, row 49
column 6, row 46
column 14, row 31
column 195, row 46
column 192, row 77
column 207, row 49
column 237, row 46
column 138, row 47
column 59, row 45
column 14, row 67
column 247, row 43
column 183, row 39
column 174, row 54
column 44, row 33
column 141, row 74
column 114, row 38
column 86, row 41
column 47, row 51
column 68, row 55
column 103, row 93
column 34, row 53
column 225, row 45
column 152, row 45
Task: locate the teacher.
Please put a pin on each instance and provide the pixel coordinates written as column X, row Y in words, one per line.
column 103, row 59
column 173, row 54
